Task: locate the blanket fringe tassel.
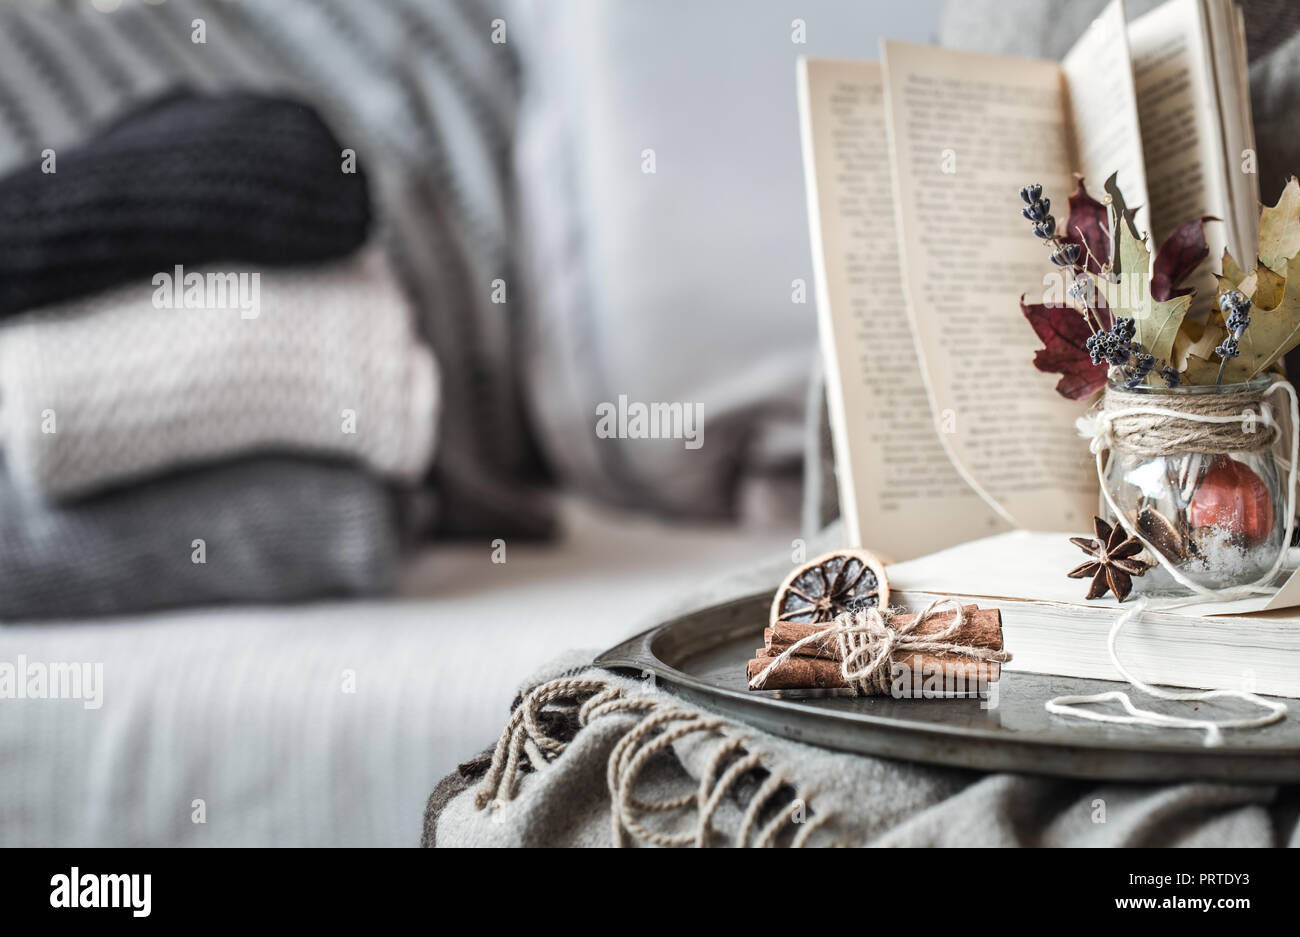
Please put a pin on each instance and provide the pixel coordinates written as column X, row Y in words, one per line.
column 656, row 723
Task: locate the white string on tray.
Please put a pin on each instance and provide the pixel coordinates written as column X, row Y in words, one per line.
column 1067, row 705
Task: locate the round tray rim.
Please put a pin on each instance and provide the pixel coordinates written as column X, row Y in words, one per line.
column 1140, row 758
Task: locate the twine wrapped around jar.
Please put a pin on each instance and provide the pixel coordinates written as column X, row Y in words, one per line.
column 1171, row 424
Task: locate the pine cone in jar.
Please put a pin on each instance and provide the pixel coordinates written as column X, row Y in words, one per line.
column 1233, row 498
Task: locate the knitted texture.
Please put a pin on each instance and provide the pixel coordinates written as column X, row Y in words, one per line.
column 428, row 102
column 112, row 389
column 272, row 529
column 185, row 179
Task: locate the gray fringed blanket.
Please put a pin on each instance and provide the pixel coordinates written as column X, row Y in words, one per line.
column 588, row 758
column 584, row 753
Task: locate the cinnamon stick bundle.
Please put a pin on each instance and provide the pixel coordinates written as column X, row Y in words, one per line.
column 817, row 665
column 807, row 673
column 982, row 628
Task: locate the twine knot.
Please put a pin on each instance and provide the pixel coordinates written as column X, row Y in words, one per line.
column 868, row 642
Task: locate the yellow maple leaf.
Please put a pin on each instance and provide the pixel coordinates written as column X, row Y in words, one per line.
column 1273, row 288
column 1279, row 228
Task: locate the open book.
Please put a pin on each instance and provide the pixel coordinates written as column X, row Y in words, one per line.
column 1048, row 630
column 944, row 432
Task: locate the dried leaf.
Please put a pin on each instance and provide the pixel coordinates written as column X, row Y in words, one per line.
column 1063, row 333
column 1274, row 323
column 1232, row 273
column 1196, row 340
column 1157, row 321
column 1274, row 290
column 1266, row 287
column 1088, row 227
column 1111, row 188
column 1279, row 231
column 1158, row 331
column 1180, row 254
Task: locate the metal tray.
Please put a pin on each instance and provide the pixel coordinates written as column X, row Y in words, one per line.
column 701, row 657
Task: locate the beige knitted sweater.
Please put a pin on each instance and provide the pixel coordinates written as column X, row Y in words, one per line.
column 112, row 388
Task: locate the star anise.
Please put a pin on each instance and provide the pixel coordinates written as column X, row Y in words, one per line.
column 1112, row 565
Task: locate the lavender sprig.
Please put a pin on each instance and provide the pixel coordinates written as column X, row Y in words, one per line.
column 1114, row 346
column 1038, row 212
column 1236, row 309
column 1136, row 372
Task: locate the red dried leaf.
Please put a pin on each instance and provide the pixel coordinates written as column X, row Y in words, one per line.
column 1063, row 333
column 1087, row 226
column 1178, row 256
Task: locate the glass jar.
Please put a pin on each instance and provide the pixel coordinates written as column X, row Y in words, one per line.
column 1218, row 518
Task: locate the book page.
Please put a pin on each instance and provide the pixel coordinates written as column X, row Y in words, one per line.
column 899, row 493
column 1181, row 125
column 966, row 132
column 1103, row 110
column 1245, row 195
column 1228, row 52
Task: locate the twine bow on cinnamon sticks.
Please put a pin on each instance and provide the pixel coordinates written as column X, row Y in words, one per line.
column 860, row 650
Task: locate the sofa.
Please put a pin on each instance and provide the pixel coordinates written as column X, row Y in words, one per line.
column 325, row 721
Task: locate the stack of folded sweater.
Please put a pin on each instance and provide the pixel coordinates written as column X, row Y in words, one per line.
column 211, row 386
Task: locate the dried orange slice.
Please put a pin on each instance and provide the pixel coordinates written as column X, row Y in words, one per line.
column 829, row 585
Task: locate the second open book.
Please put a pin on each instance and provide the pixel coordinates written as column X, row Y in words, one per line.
column 944, row 432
